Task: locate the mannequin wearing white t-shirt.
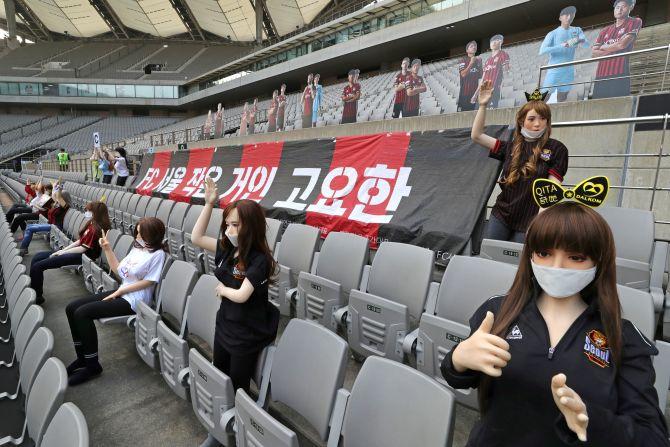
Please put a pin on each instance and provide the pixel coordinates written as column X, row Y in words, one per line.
column 139, row 273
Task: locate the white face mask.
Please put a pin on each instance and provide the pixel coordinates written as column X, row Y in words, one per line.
column 562, row 283
column 139, row 243
column 232, row 238
column 88, row 215
column 532, row 135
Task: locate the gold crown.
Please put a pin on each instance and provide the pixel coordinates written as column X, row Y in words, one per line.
column 537, row 95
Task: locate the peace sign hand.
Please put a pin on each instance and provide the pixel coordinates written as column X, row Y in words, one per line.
column 485, row 93
column 104, row 243
column 211, row 193
column 571, row 405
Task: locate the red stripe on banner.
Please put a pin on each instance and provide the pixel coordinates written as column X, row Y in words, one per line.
column 155, row 174
column 199, row 161
column 364, row 185
column 257, row 170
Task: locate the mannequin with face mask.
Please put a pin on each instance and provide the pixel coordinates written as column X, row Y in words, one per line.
column 554, row 362
column 529, row 154
column 97, row 221
column 246, row 321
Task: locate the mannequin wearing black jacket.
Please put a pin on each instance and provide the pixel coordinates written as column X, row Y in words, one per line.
column 621, row 401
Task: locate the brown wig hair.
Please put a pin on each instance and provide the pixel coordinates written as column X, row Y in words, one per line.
column 153, row 233
column 574, row 228
column 529, row 169
column 251, row 234
column 100, row 217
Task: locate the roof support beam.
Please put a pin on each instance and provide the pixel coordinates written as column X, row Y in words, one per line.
column 188, row 18
column 31, row 20
column 108, row 14
column 10, row 13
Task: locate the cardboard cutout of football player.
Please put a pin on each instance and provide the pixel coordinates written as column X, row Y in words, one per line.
column 613, row 39
column 414, row 87
column 272, row 112
column 218, row 121
column 350, row 96
column 281, row 107
column 318, row 97
column 243, row 119
column 561, row 44
column 251, row 117
column 207, row 128
column 399, row 88
column 495, row 68
column 307, row 100
column 470, row 71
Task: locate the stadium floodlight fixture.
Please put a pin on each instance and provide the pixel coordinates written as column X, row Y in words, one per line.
column 165, row 45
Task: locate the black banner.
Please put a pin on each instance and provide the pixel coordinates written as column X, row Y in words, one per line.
column 422, row 188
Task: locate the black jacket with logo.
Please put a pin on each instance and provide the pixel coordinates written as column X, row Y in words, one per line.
column 621, row 401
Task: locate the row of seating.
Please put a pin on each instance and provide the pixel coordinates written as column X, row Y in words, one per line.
column 378, row 304
column 42, row 379
column 185, row 310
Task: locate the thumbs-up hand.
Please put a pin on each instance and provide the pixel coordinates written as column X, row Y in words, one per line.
column 482, row 351
column 571, row 405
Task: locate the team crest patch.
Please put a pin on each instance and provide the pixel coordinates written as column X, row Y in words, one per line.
column 515, row 333
column 238, row 273
column 546, row 154
column 596, row 348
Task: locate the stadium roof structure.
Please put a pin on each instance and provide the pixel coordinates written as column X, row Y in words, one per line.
column 231, row 20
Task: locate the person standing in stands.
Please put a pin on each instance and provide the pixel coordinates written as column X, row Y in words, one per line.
column 399, row 87
column 63, row 159
column 139, row 272
column 414, row 87
column 553, row 359
column 218, row 121
column 350, row 96
column 529, row 155
column 246, row 321
column 105, row 166
column 613, row 39
column 272, row 113
column 318, row 97
column 560, row 44
column 495, row 67
column 38, row 206
column 20, row 208
column 55, row 216
column 95, row 165
column 251, row 117
column 97, row 221
column 121, row 166
column 469, row 71
column 307, row 100
column 243, row 119
column 281, row 107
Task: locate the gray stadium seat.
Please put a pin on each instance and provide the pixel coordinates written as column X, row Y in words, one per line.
column 164, row 210
column 273, row 232
column 198, row 319
column 388, row 307
column 187, row 250
column 36, row 353
column 338, row 268
column 175, row 289
column 130, row 211
column 294, row 254
column 121, row 249
column 19, row 301
column 501, row 251
column 87, row 264
column 46, row 396
column 123, row 201
column 140, row 212
column 393, row 405
column 68, row 428
column 467, row 283
column 304, row 376
column 175, row 233
column 206, row 258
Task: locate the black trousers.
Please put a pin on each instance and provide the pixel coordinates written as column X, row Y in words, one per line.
column 17, row 208
column 397, row 110
column 20, row 220
column 240, row 368
column 107, row 178
column 81, row 315
column 121, row 181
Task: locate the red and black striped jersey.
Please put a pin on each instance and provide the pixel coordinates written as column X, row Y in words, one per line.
column 402, row 94
column 412, row 102
column 493, row 68
column 469, row 81
column 612, row 34
column 350, row 107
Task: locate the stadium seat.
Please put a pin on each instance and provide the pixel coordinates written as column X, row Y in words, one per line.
column 205, row 259
column 175, row 288
column 103, row 278
column 140, row 212
column 67, row 428
column 20, row 300
column 501, row 251
column 175, row 233
column 37, row 351
column 187, row 250
column 131, row 210
column 46, row 396
column 467, row 283
column 122, row 203
column 338, row 268
column 385, row 309
column 392, row 405
column 198, row 320
column 31, row 321
column 87, row 263
column 305, row 377
column 294, row 254
column 273, row 232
